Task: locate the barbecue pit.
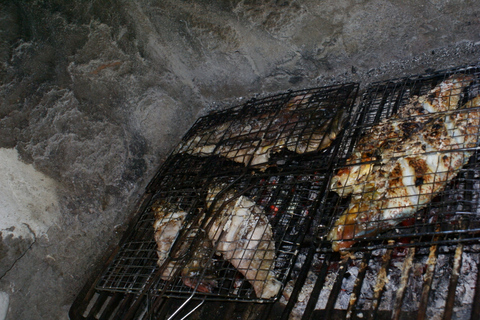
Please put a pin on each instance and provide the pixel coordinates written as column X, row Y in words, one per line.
column 425, row 267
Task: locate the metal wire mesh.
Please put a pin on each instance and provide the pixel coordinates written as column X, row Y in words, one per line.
column 423, row 265
column 408, row 165
column 234, row 200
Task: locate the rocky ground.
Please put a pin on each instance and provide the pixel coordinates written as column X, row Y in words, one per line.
column 94, row 94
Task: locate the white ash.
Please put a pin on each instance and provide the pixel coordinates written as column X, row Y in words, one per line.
column 440, row 284
column 347, row 286
column 368, row 288
column 465, row 290
column 413, row 292
column 464, row 294
column 303, row 297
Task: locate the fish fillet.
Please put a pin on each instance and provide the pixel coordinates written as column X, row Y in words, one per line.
column 237, row 229
column 252, row 140
column 399, row 165
column 195, row 273
column 168, row 222
column 241, row 232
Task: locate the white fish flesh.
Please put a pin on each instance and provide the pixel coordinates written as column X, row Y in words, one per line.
column 242, row 234
column 237, row 229
column 253, row 139
column 399, row 165
column 168, row 222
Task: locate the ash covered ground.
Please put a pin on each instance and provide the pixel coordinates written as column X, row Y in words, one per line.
column 94, row 94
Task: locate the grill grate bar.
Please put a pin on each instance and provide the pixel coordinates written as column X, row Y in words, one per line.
column 115, row 307
column 312, row 301
column 337, row 286
column 133, row 309
column 380, row 284
column 407, row 266
column 399, row 273
column 129, row 306
column 457, row 264
column 357, row 288
column 97, row 307
column 299, row 283
column 154, row 307
column 427, row 282
column 164, row 306
column 476, row 300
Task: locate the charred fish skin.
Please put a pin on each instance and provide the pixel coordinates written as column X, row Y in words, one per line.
column 197, row 272
column 400, row 164
column 242, row 234
column 169, row 222
column 252, row 141
column 321, row 138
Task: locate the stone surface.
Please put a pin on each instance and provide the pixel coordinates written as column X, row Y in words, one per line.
column 4, row 299
column 28, row 207
column 94, row 94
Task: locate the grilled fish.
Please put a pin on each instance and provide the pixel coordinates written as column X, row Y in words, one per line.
column 252, row 140
column 237, row 229
column 169, row 221
column 399, row 165
column 242, row 234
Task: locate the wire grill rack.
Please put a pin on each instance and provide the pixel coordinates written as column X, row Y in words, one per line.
column 453, row 208
column 270, row 152
column 424, row 267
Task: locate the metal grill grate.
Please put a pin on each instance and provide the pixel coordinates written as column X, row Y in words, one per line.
column 397, row 171
column 258, row 169
column 436, row 282
column 423, row 266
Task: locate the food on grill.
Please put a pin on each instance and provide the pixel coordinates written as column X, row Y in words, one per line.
column 400, row 164
column 241, row 232
column 237, row 229
column 252, row 140
column 168, row 222
column 198, row 272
